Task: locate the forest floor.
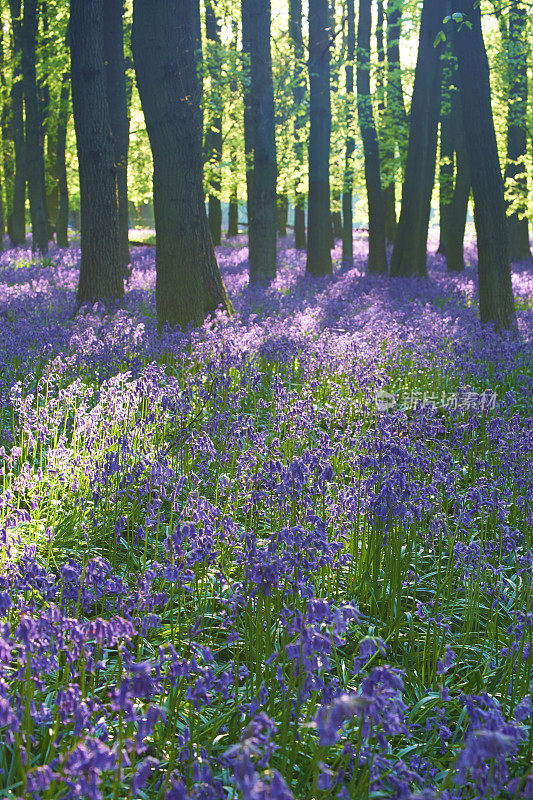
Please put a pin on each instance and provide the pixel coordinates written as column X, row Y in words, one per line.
column 286, row 555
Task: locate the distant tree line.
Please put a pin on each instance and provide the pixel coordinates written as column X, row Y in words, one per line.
column 324, row 103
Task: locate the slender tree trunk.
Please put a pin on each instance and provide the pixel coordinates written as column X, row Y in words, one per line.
column 496, row 302
column 260, row 140
column 377, row 255
column 233, row 212
column 385, row 136
column 319, row 222
column 166, row 42
column 298, row 94
column 410, row 247
column 336, row 220
column 48, row 126
column 461, row 191
column 233, row 215
column 347, row 195
column 395, row 99
column 118, row 115
column 213, row 136
column 4, row 115
column 61, row 164
column 515, row 171
column 7, row 141
column 447, row 150
column 101, row 270
column 282, row 213
column 18, row 214
column 34, row 148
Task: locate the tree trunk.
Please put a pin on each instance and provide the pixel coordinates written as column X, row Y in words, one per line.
column 118, row 115
column 34, row 144
column 213, row 136
column 410, row 247
column 101, row 271
column 298, row 94
column 233, row 215
column 260, row 140
column 515, row 171
column 7, row 141
column 4, row 116
column 347, row 195
column 446, row 165
column 496, row 302
column 386, row 137
column 61, row 165
column 282, row 213
column 395, row 99
column 319, row 222
column 48, row 126
column 18, row 214
column 461, row 191
column 166, row 42
column 336, row 221
column 377, row 255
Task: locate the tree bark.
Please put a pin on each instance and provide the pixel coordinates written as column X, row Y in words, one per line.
column 34, row 131
column 233, row 216
column 496, row 302
column 395, row 99
column 386, row 136
column 233, row 212
column 298, row 94
column 260, row 140
column 282, row 213
column 447, row 151
column 336, row 221
column 101, row 271
column 319, row 222
column 61, row 165
column 377, row 255
column 347, row 195
column 461, row 191
column 118, row 115
column 515, row 171
column 18, row 214
column 4, row 116
column 166, row 42
column 48, row 124
column 409, row 255
column 7, row 142
column 213, row 136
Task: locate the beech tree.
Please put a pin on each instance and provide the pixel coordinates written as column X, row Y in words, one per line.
column 298, row 92
column 213, row 136
column 377, row 255
column 118, row 115
column 34, row 142
column 457, row 212
column 496, row 303
column 447, row 150
column 319, row 220
column 61, row 166
column 409, row 255
column 101, row 272
column 166, row 41
column 17, row 216
column 347, row 195
column 260, row 140
column 396, row 113
column 515, row 169
column 385, row 136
